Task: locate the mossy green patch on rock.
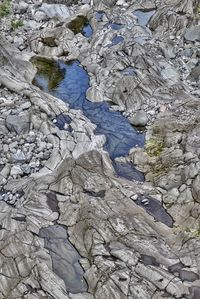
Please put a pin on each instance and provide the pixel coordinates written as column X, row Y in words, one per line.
column 154, row 146
column 78, row 24
column 50, row 70
column 15, row 24
column 5, row 8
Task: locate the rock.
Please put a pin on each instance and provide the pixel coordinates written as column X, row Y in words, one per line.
column 21, row 7
column 18, row 41
column 59, row 11
column 40, row 16
column 195, row 74
column 16, row 170
column 193, row 34
column 140, row 119
column 18, row 123
column 196, row 188
column 25, row 106
column 18, row 157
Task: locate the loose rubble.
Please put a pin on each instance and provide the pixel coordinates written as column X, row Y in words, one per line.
column 70, row 227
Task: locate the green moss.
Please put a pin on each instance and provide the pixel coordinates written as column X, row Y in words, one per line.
column 50, row 70
column 5, row 8
column 15, row 24
column 77, row 24
column 154, row 146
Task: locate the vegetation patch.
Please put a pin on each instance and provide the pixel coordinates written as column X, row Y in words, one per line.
column 154, row 146
column 15, row 24
column 5, row 8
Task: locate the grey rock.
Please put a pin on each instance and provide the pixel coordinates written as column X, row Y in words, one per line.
column 19, row 156
column 59, row 11
column 195, row 74
column 16, row 170
column 21, row 7
column 193, row 34
column 139, row 119
column 18, row 123
column 196, row 188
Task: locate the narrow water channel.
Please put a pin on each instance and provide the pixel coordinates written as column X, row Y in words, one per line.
column 69, row 82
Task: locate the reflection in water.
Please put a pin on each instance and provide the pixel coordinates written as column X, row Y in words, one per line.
column 120, row 134
column 99, row 15
column 81, row 25
column 116, row 40
column 114, row 26
column 50, row 71
column 143, row 16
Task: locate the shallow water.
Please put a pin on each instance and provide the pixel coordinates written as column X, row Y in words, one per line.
column 143, row 16
column 81, row 25
column 114, row 26
column 99, row 15
column 129, row 71
column 115, row 41
column 120, row 134
column 155, row 208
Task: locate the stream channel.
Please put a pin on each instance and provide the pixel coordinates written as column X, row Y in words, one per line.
column 69, row 82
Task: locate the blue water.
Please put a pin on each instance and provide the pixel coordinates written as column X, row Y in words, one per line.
column 115, row 41
column 87, row 31
column 143, row 16
column 129, row 71
column 99, row 15
column 114, row 26
column 121, row 136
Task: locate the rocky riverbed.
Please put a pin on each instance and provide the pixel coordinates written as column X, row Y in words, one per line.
column 88, row 210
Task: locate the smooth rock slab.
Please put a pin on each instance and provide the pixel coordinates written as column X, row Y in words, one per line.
column 193, row 34
column 65, row 258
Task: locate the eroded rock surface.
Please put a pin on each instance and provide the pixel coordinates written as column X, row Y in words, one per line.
column 69, row 227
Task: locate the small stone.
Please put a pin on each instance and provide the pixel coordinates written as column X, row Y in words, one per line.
column 19, row 156
column 134, row 197
column 16, row 170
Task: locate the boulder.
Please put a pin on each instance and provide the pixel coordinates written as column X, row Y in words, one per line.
column 140, row 119
column 18, row 123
